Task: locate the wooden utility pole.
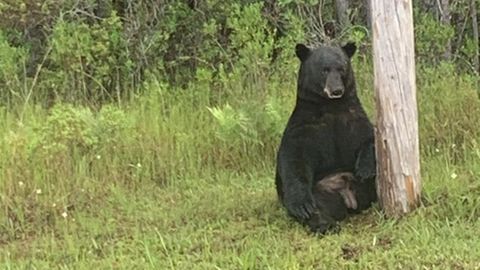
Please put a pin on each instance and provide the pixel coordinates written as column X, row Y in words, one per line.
column 397, row 150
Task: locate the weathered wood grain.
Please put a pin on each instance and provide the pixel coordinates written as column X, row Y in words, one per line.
column 397, row 149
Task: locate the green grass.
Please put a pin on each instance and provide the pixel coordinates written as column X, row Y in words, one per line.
column 162, row 183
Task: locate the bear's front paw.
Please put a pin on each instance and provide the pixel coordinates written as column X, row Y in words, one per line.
column 300, row 207
column 321, row 223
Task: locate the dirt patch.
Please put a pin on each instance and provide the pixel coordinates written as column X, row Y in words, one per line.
column 350, row 253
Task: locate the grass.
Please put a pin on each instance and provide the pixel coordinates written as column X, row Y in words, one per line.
column 164, row 183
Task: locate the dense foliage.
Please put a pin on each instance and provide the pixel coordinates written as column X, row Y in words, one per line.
column 101, row 51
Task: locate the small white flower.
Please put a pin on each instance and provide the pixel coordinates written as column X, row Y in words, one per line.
column 64, row 214
column 20, row 183
column 98, row 157
column 453, row 175
column 139, row 165
column 73, row 219
column 437, row 150
column 454, row 145
column 38, row 191
column 54, row 205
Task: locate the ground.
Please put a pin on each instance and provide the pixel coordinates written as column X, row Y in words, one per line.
column 207, row 228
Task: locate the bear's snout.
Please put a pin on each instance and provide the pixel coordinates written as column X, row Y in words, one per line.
column 334, row 86
column 335, row 93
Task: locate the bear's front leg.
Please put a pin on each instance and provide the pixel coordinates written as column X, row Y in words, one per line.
column 298, row 199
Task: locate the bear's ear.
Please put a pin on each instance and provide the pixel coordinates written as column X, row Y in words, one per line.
column 350, row 49
column 302, row 52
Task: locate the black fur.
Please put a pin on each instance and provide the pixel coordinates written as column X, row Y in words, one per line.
column 326, row 133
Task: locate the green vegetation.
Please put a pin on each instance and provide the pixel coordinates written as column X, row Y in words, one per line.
column 169, row 164
column 157, row 184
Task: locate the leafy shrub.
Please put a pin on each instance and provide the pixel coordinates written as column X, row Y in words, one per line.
column 111, row 126
column 89, row 60
column 251, row 126
column 431, row 37
column 67, row 128
column 235, row 127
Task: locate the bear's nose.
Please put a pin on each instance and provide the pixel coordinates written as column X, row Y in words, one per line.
column 337, row 92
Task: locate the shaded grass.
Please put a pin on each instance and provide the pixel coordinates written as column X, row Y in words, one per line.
column 160, row 184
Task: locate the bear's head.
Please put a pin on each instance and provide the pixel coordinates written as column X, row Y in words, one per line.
column 325, row 72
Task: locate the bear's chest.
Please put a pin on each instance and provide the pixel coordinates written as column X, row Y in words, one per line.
column 344, row 128
column 334, row 139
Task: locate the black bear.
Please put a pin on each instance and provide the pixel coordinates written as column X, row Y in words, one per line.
column 328, row 133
